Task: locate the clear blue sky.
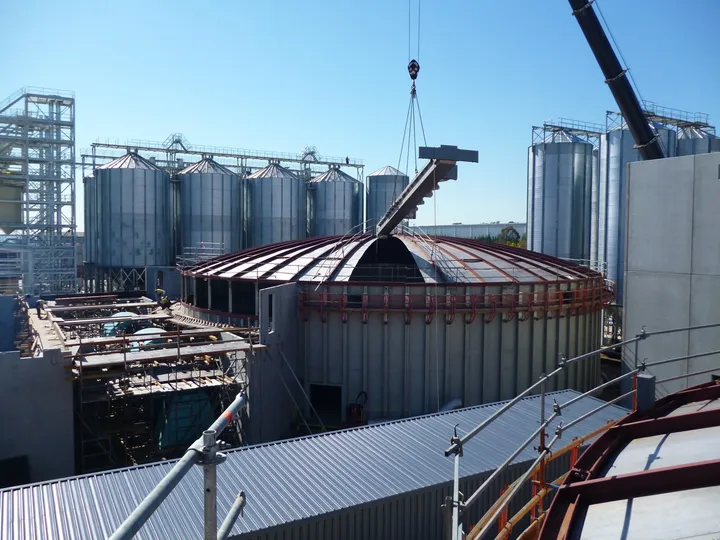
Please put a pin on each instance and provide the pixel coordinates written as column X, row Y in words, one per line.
column 280, row 75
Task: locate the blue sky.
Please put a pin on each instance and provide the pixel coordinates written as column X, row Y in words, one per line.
column 280, row 75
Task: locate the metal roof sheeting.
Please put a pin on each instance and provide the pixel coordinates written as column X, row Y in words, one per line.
column 206, row 166
column 131, row 160
column 292, row 480
column 333, row 258
column 387, row 171
column 334, row 175
column 273, row 171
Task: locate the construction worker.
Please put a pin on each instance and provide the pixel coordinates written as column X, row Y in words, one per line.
column 159, row 293
column 165, row 302
column 39, row 306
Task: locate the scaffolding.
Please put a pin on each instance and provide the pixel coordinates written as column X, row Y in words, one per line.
column 141, row 397
column 37, row 191
column 176, row 152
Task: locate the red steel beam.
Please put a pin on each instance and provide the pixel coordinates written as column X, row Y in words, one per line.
column 668, row 424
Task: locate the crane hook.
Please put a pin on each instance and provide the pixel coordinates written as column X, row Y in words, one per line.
column 413, row 69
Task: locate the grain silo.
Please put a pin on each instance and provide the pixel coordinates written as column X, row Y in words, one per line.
column 211, row 207
column 415, row 322
column 560, row 181
column 277, row 208
column 128, row 206
column 617, row 149
column 384, row 186
column 693, row 140
column 335, row 204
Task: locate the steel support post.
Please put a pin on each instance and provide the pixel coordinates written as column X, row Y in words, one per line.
column 209, row 465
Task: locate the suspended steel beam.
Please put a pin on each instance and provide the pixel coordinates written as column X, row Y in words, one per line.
column 442, row 166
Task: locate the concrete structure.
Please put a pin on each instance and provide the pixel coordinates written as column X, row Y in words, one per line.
column 37, row 417
column 335, row 204
column 381, row 482
column 384, row 186
column 414, row 322
column 211, row 207
column 469, row 230
column 277, row 211
column 673, row 262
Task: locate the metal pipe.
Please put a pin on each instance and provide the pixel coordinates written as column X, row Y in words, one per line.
column 595, row 410
column 685, row 329
column 600, row 387
column 514, row 490
column 509, row 460
column 235, row 510
column 210, row 448
column 152, row 501
column 702, row 372
column 456, row 521
column 616, row 78
column 677, row 358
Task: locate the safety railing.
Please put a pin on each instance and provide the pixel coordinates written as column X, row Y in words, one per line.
column 205, row 452
column 458, row 442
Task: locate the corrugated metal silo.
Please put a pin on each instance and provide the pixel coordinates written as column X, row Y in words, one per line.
column 384, row 186
column 336, row 200
column 693, row 140
column 560, row 178
column 91, row 227
column 211, row 206
column 277, row 209
column 594, row 208
column 617, row 149
column 131, row 199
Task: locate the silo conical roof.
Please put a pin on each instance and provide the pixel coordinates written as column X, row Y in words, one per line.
column 131, row 160
column 333, row 175
column 273, row 171
column 387, row 171
column 562, row 136
column 206, row 166
column 694, row 133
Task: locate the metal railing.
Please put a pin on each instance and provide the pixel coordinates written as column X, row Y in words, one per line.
column 458, row 443
column 203, row 451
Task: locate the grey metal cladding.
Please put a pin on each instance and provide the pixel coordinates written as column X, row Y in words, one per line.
column 310, row 485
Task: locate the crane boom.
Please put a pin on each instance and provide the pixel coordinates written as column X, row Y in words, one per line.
column 646, row 140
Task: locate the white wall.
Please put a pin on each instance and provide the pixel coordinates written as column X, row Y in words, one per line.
column 672, row 274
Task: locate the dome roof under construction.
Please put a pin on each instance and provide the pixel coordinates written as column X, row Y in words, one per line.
column 413, row 258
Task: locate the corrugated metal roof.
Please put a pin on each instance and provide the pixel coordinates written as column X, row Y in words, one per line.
column 290, row 480
column 273, row 171
column 694, row 133
column 333, row 258
column 562, row 136
column 388, row 171
column 334, row 175
column 206, row 166
column 131, row 160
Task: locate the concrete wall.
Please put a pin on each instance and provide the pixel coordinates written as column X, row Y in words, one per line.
column 36, row 413
column 408, row 369
column 273, row 386
column 673, row 263
column 8, row 330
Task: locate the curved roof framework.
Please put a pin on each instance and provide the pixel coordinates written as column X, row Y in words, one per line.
column 653, row 475
column 436, row 259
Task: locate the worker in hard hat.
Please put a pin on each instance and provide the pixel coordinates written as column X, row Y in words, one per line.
column 159, row 293
column 39, row 306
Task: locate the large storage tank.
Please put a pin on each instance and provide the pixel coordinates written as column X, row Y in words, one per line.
column 617, row 149
column 211, row 207
column 335, row 204
column 11, row 207
column 692, row 140
column 130, row 202
column 384, row 317
column 560, row 180
column 384, row 186
column 277, row 209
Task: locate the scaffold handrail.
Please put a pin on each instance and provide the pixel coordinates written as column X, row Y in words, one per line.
column 457, row 444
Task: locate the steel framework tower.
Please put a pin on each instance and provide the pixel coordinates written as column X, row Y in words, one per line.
column 37, row 191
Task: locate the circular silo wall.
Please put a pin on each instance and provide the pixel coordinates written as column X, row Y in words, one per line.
column 211, row 212
column 132, row 199
column 277, row 209
column 560, row 181
column 335, row 204
column 384, row 186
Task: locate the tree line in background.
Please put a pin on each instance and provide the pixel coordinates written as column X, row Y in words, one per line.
column 508, row 236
